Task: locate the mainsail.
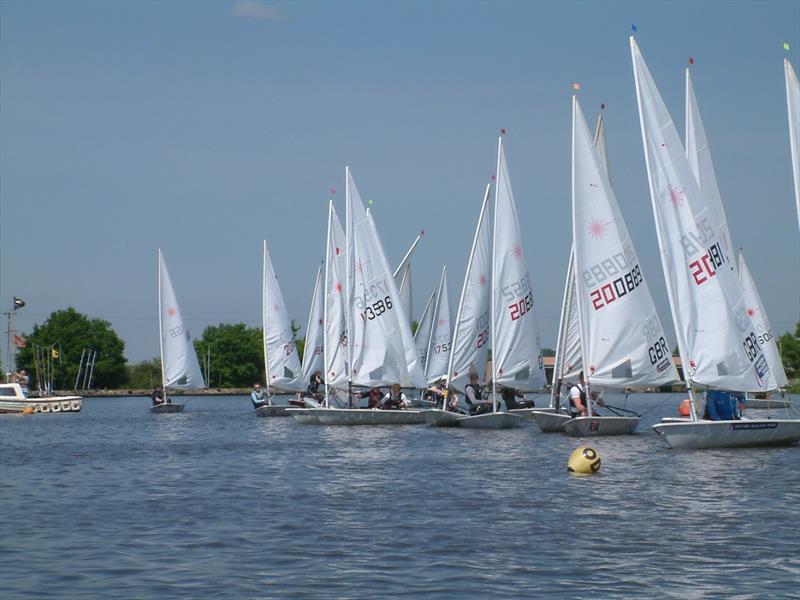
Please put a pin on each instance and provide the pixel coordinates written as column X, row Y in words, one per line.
column 440, row 338
column 282, row 363
column 382, row 347
column 471, row 334
column 758, row 315
column 315, row 339
column 335, row 347
column 716, row 339
column 793, row 106
column 179, row 366
column 402, row 278
column 516, row 350
column 623, row 342
column 422, row 336
column 699, row 155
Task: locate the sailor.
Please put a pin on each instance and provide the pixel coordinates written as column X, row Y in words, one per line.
column 314, row 385
column 259, row 397
column 510, row 396
column 158, row 395
column 395, row 399
column 22, row 379
column 578, row 406
column 473, row 395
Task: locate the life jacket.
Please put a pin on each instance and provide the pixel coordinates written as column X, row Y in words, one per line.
column 477, row 390
column 583, row 397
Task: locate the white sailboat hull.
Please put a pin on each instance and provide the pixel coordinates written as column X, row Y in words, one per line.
column 499, row 420
column 41, row 405
column 729, row 434
column 525, row 413
column 272, row 411
column 306, row 416
column 441, row 418
column 167, row 407
column 767, row 403
column 600, row 426
column 550, row 421
column 358, row 416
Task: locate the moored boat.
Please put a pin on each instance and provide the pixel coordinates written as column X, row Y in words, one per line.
column 13, row 401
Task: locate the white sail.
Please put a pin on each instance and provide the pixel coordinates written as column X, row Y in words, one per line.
column 622, row 338
column 793, row 106
column 716, row 339
column 315, row 339
column 402, row 277
column 758, row 314
column 179, row 365
column 422, row 336
column 516, row 350
column 383, row 350
column 568, row 359
column 335, row 348
column 699, row 155
column 283, row 367
column 472, row 331
column 440, row 338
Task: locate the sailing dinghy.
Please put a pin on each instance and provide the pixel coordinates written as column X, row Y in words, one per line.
column 717, row 341
column 622, row 341
column 281, row 363
column 793, row 107
column 179, row 366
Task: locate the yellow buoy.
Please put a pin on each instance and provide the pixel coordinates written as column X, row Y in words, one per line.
column 584, row 461
column 28, row 410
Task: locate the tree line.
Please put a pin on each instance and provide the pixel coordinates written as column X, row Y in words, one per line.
column 236, row 353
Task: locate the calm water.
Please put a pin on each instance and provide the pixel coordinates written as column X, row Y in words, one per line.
column 117, row 503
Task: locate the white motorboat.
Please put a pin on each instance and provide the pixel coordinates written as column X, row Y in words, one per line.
column 13, row 401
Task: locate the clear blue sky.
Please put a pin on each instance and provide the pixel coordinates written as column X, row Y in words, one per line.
column 203, row 128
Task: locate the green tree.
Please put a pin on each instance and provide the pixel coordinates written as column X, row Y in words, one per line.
column 145, row 374
column 548, row 352
column 789, row 345
column 237, row 354
column 69, row 333
column 299, row 342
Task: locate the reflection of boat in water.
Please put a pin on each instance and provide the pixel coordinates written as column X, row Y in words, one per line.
column 13, row 401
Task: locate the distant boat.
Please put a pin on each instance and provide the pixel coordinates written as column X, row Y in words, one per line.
column 179, row 366
column 717, row 341
column 312, row 350
column 281, row 362
column 402, row 278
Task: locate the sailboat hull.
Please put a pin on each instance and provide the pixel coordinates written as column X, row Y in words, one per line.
column 441, row 418
column 766, row 403
column 272, row 411
column 525, row 413
column 167, row 408
column 729, row 434
column 357, row 416
column 600, row 426
column 550, row 421
column 306, row 416
column 499, row 420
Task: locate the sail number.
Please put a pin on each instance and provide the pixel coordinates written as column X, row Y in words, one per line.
column 440, row 348
column 658, row 351
column 376, row 309
column 706, row 267
column 751, row 346
column 616, row 289
column 483, row 330
column 521, row 307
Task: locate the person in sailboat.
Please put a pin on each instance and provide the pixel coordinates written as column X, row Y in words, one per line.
column 157, row 396
column 435, row 393
column 315, row 387
column 510, row 396
column 473, row 395
column 395, row 399
column 578, row 404
column 452, row 399
column 259, row 397
column 723, row 406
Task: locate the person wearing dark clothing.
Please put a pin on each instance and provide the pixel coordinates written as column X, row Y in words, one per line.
column 374, row 398
column 395, row 399
column 158, row 395
column 510, row 396
column 314, row 385
column 473, row 395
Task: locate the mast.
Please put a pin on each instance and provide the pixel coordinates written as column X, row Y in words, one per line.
column 494, row 282
column 160, row 332
column 670, row 295
column 563, row 329
column 348, row 224
column 435, row 321
column 264, row 314
column 311, row 312
column 466, row 281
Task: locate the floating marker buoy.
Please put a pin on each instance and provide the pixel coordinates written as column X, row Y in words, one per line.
column 28, row 410
column 685, row 407
column 584, row 461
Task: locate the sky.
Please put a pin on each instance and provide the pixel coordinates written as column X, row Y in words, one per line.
column 204, row 128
